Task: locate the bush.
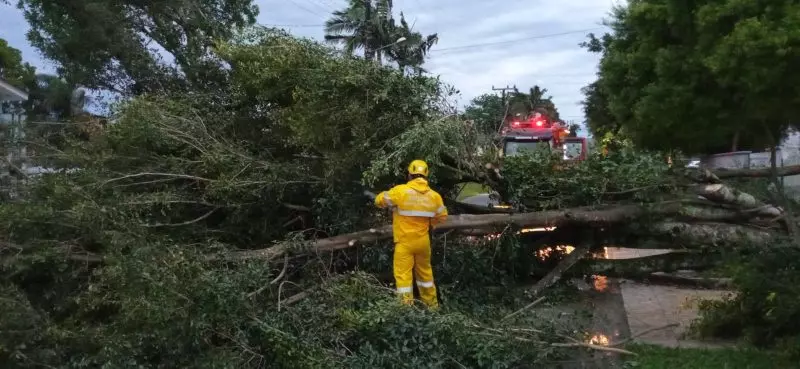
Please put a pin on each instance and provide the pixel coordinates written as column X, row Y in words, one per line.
column 765, row 310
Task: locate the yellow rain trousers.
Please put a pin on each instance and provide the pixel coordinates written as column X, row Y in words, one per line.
column 416, row 208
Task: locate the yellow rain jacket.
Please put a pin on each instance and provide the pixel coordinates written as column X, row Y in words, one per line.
column 416, row 208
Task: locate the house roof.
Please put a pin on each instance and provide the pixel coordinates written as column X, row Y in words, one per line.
column 11, row 93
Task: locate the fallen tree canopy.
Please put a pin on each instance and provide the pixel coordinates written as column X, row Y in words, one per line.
column 106, row 262
column 710, row 229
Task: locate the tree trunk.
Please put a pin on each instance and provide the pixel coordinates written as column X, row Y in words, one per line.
column 722, row 220
column 369, row 52
column 618, row 216
column 789, row 170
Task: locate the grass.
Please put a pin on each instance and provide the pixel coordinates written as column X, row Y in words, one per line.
column 655, row 357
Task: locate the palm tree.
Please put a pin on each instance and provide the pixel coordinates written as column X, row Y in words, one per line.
column 537, row 96
column 378, row 34
column 412, row 51
column 545, row 104
column 351, row 27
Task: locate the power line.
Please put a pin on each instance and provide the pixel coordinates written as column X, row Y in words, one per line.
column 333, row 4
column 320, row 6
column 517, row 40
column 569, row 75
column 293, row 25
column 297, row 4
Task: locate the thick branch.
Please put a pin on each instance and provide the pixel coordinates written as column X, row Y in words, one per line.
column 555, row 275
column 725, row 195
column 757, row 173
column 711, row 233
column 580, row 217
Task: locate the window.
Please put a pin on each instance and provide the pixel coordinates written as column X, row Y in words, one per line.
column 513, row 148
column 573, row 150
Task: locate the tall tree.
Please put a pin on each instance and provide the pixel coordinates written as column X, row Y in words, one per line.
column 487, row 111
column 12, row 68
column 696, row 76
column 48, row 95
column 524, row 103
column 370, row 25
column 599, row 120
column 411, row 53
column 359, row 26
column 115, row 44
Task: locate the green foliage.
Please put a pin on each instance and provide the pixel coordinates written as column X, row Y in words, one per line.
column 16, row 72
column 599, row 119
column 523, row 103
column 370, row 25
column 699, row 77
column 48, row 95
column 540, row 180
column 489, row 110
column 445, row 144
column 49, row 98
column 107, row 44
column 179, row 313
column 766, row 307
column 112, row 262
column 234, row 166
column 12, row 68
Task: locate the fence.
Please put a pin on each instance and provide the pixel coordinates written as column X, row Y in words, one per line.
column 786, row 155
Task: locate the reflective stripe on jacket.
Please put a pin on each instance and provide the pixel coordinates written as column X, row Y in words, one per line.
column 416, row 208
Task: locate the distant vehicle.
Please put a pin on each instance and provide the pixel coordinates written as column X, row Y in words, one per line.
column 538, row 131
column 518, row 135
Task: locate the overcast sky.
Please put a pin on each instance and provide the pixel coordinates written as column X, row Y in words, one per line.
column 481, row 43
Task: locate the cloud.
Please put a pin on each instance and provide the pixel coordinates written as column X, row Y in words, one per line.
column 556, row 63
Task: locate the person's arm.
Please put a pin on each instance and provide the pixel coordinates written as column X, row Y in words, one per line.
column 386, row 199
column 441, row 213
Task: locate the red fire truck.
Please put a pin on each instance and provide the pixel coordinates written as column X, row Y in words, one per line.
column 537, row 131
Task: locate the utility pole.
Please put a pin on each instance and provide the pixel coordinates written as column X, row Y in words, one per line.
column 503, row 91
column 505, row 103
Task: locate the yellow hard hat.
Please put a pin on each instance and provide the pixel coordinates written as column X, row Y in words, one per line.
column 418, row 167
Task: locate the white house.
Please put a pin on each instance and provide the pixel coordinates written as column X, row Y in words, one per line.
column 11, row 120
column 8, row 95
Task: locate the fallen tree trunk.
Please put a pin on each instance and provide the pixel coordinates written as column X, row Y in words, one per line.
column 789, row 170
column 677, row 219
column 715, row 233
column 722, row 194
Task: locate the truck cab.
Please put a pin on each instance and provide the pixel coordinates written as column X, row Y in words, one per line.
column 516, row 137
column 537, row 133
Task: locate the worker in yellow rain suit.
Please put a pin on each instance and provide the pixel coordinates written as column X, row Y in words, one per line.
column 416, row 208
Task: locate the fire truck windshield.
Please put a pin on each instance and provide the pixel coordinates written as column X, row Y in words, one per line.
column 513, row 148
column 573, row 150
